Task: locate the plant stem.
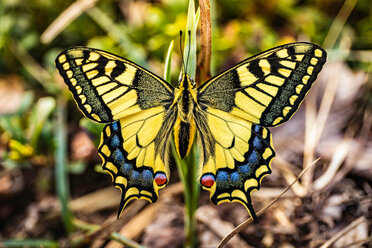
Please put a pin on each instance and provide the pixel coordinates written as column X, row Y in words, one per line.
column 188, row 175
column 192, row 200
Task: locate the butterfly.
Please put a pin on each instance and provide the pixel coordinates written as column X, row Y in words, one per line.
column 229, row 114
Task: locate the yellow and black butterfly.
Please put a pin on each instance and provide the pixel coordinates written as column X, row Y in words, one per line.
column 229, row 114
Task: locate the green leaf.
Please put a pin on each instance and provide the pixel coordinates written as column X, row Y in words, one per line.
column 190, row 40
column 167, row 66
column 44, row 107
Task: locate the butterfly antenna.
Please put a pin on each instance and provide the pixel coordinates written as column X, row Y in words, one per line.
column 188, row 52
column 183, row 62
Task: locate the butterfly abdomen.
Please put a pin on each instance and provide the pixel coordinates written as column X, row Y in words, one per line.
column 184, row 134
column 184, row 128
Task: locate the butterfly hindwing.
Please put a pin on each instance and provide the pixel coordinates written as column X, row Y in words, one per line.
column 133, row 151
column 123, row 171
column 107, row 87
column 268, row 88
column 236, row 157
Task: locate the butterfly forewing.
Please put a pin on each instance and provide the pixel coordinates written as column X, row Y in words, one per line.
column 107, row 87
column 268, row 88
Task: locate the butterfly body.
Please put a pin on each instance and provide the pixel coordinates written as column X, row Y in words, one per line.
column 185, row 127
column 229, row 114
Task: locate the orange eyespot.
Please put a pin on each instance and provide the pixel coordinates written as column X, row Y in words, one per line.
column 160, row 179
column 207, row 181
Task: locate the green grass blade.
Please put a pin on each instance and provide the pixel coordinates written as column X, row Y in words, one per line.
column 29, row 243
column 339, row 23
column 118, row 34
column 60, row 169
column 126, row 242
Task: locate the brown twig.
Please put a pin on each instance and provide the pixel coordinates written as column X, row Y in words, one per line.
column 243, row 225
column 204, row 61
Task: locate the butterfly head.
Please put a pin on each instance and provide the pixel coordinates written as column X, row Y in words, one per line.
column 186, row 82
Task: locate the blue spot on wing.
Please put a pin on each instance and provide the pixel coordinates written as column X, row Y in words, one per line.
column 222, row 176
column 235, row 176
column 135, row 175
column 257, row 142
column 118, row 155
column 147, row 178
column 115, row 142
column 257, row 128
column 253, row 158
column 126, row 168
column 147, row 175
column 115, row 126
column 245, row 169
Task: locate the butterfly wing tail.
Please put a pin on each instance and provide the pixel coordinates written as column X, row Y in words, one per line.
column 134, row 182
column 235, row 184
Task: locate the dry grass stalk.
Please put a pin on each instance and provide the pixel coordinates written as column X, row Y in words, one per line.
column 135, row 227
column 96, row 201
column 272, row 192
column 315, row 126
column 338, row 158
column 345, row 230
column 64, row 19
column 315, row 123
column 112, row 224
column 90, row 203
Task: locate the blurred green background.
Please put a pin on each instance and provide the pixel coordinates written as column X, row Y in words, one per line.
column 42, row 131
